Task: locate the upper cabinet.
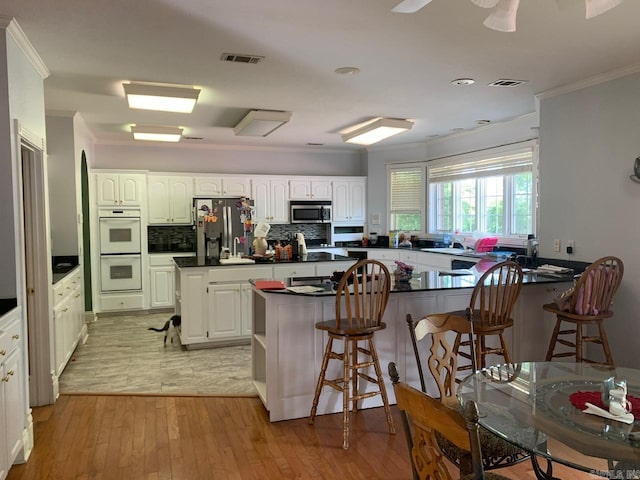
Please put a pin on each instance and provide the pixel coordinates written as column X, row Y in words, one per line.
column 349, row 201
column 170, row 199
column 119, row 189
column 310, row 189
column 271, row 199
column 222, row 186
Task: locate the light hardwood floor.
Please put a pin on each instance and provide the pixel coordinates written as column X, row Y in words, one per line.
column 192, row 438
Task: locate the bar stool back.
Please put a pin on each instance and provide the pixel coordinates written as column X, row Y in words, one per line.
column 590, row 303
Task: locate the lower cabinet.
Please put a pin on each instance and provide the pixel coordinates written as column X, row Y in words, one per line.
column 225, row 308
column 14, row 413
column 162, row 291
column 68, row 318
column 216, row 304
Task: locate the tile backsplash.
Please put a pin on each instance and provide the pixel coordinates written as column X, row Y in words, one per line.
column 314, row 233
column 171, row 238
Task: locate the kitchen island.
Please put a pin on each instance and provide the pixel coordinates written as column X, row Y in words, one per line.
column 215, row 300
column 287, row 349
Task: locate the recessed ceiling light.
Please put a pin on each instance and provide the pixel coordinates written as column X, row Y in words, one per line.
column 483, row 122
column 149, row 96
column 463, row 82
column 156, row 133
column 435, row 135
column 347, row 71
column 457, row 129
column 311, row 144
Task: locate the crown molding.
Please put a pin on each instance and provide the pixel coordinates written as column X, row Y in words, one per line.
column 589, row 82
column 13, row 28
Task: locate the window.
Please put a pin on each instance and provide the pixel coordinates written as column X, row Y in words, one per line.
column 406, row 197
column 491, row 192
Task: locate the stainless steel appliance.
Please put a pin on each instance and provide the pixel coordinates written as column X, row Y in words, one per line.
column 310, row 211
column 219, row 221
column 120, row 250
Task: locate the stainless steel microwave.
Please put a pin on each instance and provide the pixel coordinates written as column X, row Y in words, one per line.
column 310, row 211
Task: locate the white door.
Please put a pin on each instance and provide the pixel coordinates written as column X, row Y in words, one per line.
column 130, row 189
column 159, row 200
column 108, row 191
column 321, row 190
column 162, row 290
column 224, row 311
column 280, row 201
column 261, row 193
column 181, row 197
column 340, row 205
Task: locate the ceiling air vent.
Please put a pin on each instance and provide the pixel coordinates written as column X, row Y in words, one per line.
column 240, row 58
column 507, row 82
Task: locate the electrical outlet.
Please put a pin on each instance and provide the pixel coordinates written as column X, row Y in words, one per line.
column 572, row 244
column 556, row 245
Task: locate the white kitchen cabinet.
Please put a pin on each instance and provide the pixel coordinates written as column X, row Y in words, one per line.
column 288, row 270
column 225, row 311
column 13, row 416
column 387, row 256
column 222, row 186
column 119, row 189
column 305, row 189
column 191, row 304
column 349, row 201
column 68, row 318
column 169, row 199
column 247, row 309
column 162, row 290
column 271, row 199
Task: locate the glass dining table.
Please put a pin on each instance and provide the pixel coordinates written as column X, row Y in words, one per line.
column 537, row 406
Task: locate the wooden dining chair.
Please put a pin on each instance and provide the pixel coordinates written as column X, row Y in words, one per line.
column 424, row 418
column 492, row 302
column 446, row 333
column 361, row 299
column 589, row 304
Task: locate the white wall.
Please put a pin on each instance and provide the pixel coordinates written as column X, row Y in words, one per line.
column 588, row 142
column 61, row 171
column 193, row 158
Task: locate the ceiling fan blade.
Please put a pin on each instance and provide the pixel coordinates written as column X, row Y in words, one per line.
column 485, row 3
column 503, row 17
column 596, row 7
column 410, row 6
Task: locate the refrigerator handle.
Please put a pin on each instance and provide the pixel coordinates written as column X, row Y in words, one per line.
column 230, row 229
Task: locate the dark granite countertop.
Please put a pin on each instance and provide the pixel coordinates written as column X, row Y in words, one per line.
column 61, row 266
column 188, row 262
column 7, row 304
column 423, row 281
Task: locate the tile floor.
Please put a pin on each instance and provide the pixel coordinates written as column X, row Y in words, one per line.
column 122, row 356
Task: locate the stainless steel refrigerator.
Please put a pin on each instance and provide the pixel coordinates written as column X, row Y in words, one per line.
column 219, row 221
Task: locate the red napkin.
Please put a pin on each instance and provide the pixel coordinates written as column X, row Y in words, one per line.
column 579, row 398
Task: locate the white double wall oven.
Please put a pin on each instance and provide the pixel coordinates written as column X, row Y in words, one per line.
column 120, row 250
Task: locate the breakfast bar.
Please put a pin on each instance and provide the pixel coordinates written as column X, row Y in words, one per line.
column 287, row 349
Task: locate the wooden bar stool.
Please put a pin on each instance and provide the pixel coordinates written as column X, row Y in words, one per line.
column 492, row 302
column 590, row 303
column 361, row 299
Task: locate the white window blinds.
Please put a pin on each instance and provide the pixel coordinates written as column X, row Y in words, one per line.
column 406, row 190
column 481, row 164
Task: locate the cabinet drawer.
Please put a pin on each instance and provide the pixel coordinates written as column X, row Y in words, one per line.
column 10, row 338
column 408, row 256
column 121, row 302
column 58, row 292
column 327, row 269
column 382, row 254
column 238, row 274
column 280, row 272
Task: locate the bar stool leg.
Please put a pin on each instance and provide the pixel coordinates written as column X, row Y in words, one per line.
column 319, row 385
column 605, row 343
column 578, row 342
column 505, row 350
column 354, row 375
column 383, row 389
column 346, row 377
column 554, row 339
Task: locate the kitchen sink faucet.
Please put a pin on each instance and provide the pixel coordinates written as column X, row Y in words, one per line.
column 236, row 242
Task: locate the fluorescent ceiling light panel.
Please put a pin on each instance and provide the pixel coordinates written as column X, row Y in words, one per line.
column 377, row 131
column 164, row 98
column 260, row 123
column 157, row 134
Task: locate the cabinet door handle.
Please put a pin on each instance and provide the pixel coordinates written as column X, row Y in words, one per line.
column 16, row 336
column 10, row 372
column 3, row 352
column 5, row 379
column 65, row 309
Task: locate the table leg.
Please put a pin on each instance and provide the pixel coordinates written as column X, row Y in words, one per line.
column 541, row 474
